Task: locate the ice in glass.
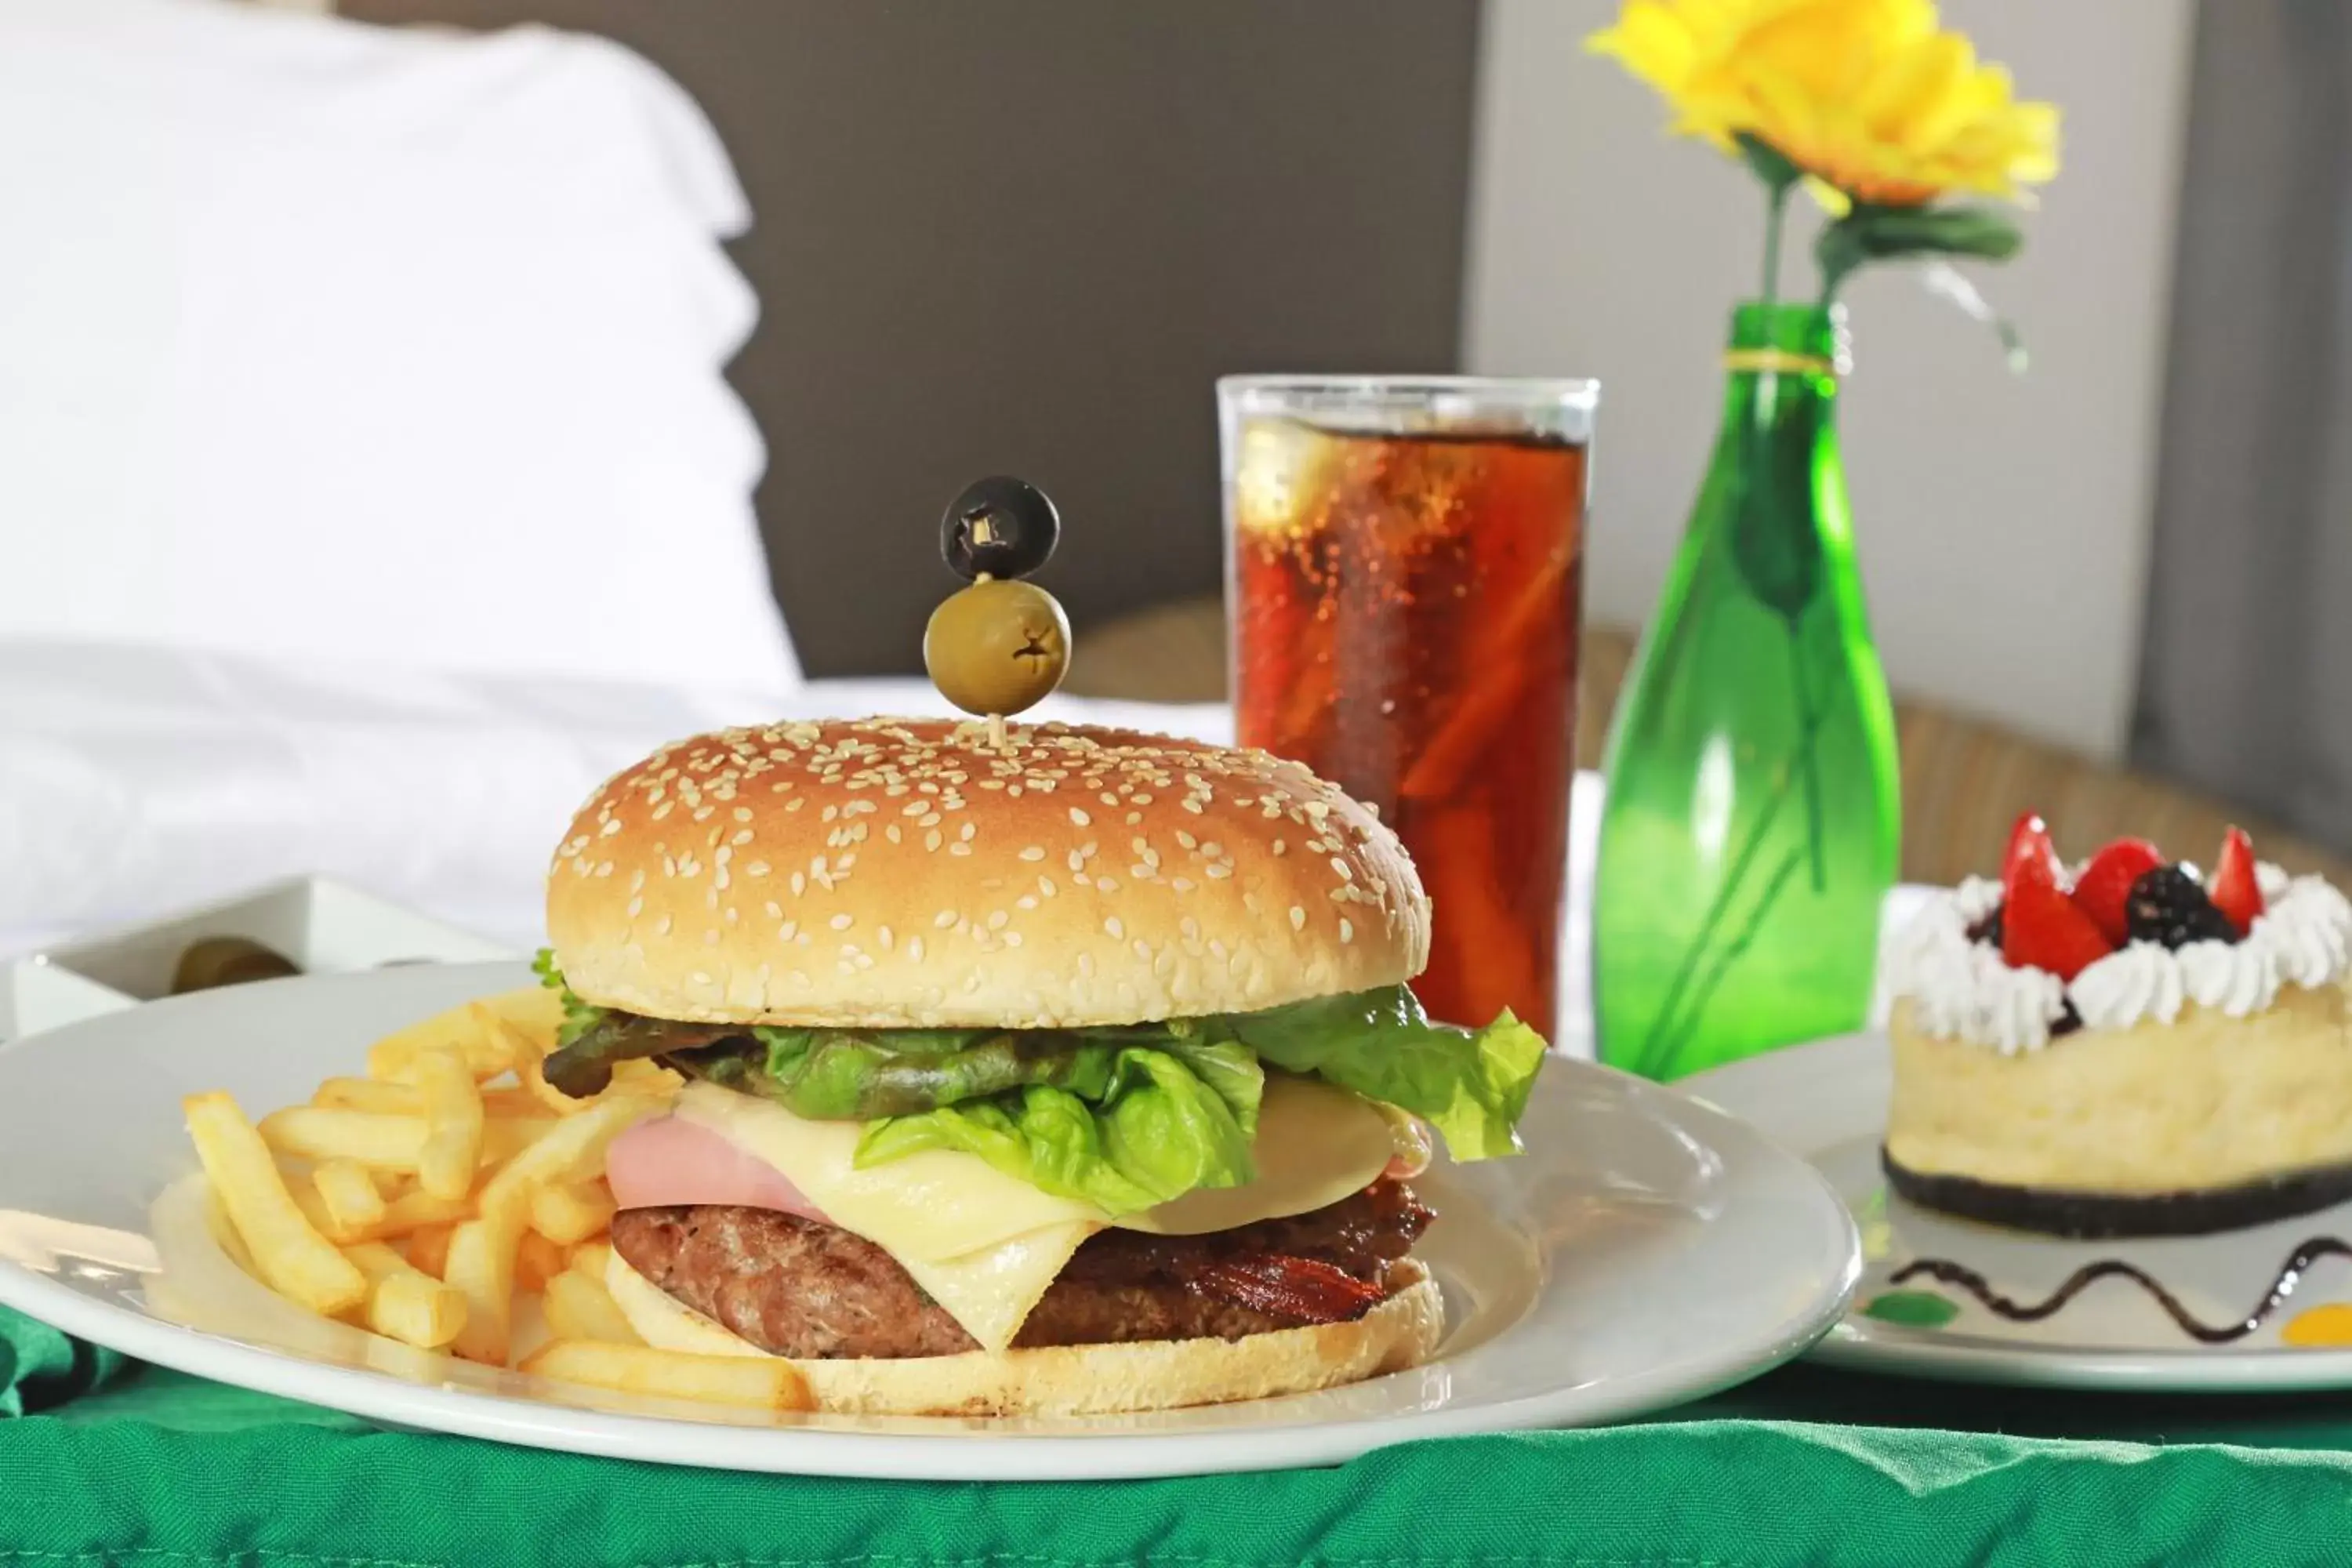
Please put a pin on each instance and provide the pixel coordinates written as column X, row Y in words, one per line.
column 1405, row 585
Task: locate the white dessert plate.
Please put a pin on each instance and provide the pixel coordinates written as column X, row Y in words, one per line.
column 1645, row 1251
column 2264, row 1308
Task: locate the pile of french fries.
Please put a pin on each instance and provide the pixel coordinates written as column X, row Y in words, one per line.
column 428, row 1200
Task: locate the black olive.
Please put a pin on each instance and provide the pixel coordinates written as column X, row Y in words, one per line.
column 1001, row 528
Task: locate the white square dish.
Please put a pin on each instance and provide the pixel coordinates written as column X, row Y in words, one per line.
column 322, row 926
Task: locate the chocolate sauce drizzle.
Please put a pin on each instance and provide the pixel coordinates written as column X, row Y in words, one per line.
column 1945, row 1271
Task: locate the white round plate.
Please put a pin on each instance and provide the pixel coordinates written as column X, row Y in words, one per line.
column 1644, row 1252
column 1827, row 1102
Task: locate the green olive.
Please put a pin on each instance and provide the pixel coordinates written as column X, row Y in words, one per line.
column 227, row 961
column 997, row 647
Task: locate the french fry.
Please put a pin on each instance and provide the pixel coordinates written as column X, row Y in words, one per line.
column 391, row 1144
column 482, row 1252
column 502, row 1045
column 460, row 1029
column 452, row 1120
column 370, row 1137
column 428, row 1248
column 411, row 1211
column 572, row 1214
column 481, row 1267
column 761, row 1382
column 352, row 1201
column 515, row 1102
column 535, row 1010
column 640, row 1076
column 417, row 1200
column 504, row 1137
column 292, row 1256
column 531, row 1072
column 416, row 1310
column 537, row 1261
column 579, row 1308
column 404, row 1302
column 565, row 1150
column 367, row 1094
column 402, row 1216
column 513, row 1042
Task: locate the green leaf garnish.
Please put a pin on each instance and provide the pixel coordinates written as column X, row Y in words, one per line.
column 578, row 1016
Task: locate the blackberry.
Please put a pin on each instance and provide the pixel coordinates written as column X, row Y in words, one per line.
column 2168, row 905
column 1988, row 930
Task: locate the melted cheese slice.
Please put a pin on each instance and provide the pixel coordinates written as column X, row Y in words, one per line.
column 927, row 1207
column 1316, row 1144
column 986, row 1246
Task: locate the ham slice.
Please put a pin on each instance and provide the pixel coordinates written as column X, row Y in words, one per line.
column 668, row 1160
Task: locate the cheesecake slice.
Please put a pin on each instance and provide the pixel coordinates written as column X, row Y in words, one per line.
column 2123, row 1048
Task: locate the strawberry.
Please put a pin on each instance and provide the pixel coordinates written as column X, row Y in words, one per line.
column 2041, row 929
column 2031, row 855
column 2234, row 890
column 2106, row 884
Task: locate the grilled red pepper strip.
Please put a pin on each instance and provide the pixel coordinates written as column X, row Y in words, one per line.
column 1285, row 1287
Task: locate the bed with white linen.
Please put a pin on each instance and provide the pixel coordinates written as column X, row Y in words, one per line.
column 369, row 483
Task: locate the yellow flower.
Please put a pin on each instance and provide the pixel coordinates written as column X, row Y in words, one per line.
column 1872, row 97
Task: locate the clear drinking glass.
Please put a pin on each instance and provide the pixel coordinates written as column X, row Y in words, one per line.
column 1405, row 575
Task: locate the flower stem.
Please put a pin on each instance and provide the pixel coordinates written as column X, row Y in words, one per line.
column 1664, row 1026
column 1776, row 203
column 1808, row 721
column 1674, row 1023
column 1732, row 953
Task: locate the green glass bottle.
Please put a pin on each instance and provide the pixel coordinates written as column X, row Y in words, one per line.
column 1753, row 815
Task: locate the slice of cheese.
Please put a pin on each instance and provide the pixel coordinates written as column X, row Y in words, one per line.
column 986, row 1246
column 927, row 1207
column 1316, row 1144
column 983, row 1245
column 992, row 1293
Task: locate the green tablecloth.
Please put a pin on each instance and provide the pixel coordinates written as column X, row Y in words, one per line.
column 101, row 1461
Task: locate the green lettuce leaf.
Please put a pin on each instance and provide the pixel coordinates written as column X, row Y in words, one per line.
column 579, row 1018
column 1470, row 1085
column 1163, row 1122
column 841, row 1075
column 1124, row 1117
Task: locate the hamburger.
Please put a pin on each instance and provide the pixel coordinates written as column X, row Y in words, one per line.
column 1072, row 1071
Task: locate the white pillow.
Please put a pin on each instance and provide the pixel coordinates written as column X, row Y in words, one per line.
column 329, row 340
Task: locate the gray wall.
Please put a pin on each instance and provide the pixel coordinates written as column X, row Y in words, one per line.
column 1026, row 235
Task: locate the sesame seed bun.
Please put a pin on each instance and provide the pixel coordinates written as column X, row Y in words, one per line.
column 908, row 873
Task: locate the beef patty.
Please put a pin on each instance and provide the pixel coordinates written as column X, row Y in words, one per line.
column 798, row 1288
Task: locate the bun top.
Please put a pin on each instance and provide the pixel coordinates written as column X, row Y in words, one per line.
column 910, row 873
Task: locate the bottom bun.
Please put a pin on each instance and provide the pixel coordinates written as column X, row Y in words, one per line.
column 1078, row 1380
